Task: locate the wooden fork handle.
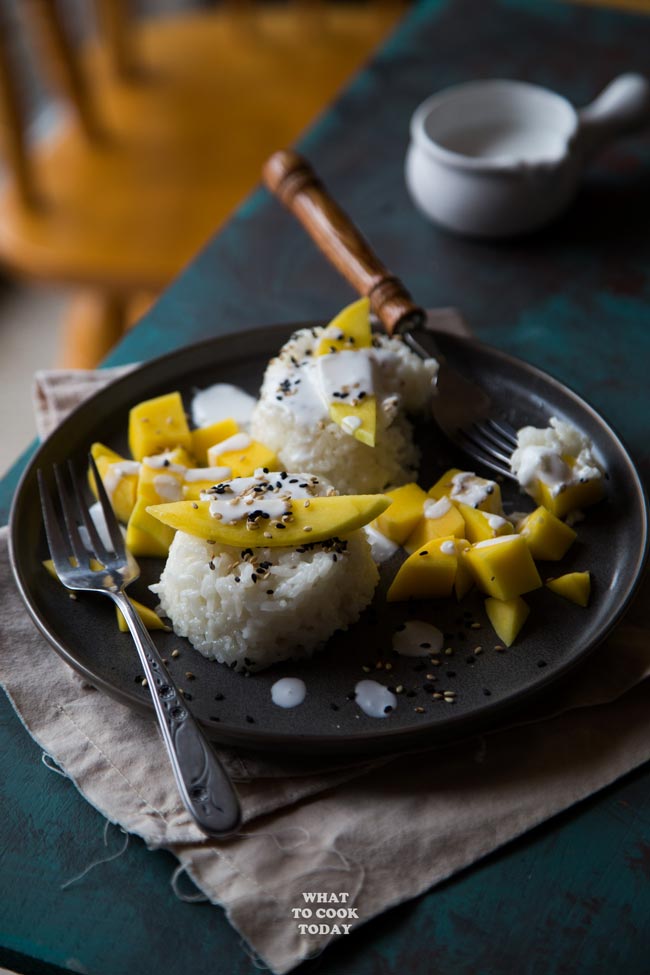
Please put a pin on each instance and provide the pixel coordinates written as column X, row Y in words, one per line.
column 291, row 178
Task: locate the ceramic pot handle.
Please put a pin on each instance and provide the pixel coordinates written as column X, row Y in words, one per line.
column 622, row 107
column 291, row 178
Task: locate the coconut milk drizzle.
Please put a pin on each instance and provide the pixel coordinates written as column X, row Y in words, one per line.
column 418, row 639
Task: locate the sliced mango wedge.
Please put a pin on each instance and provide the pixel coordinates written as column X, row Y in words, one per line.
column 120, row 478
column 150, row 619
column 349, row 332
column 353, row 323
column 324, row 518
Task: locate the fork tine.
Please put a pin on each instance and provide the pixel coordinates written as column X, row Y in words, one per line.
column 480, row 452
column 495, row 439
column 508, row 432
column 70, row 517
column 59, row 550
column 109, row 514
column 99, row 549
column 478, row 442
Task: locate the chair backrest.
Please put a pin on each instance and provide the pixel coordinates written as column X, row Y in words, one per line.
column 63, row 64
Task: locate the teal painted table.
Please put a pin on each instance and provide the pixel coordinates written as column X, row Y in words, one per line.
column 572, row 896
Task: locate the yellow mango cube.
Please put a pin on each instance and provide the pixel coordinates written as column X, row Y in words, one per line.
column 158, row 424
column 507, row 617
column 427, row 574
column 470, row 489
column 161, row 478
column 147, row 536
column 119, row 477
column 503, row 567
column 480, row 525
column 206, row 437
column 150, row 619
column 242, row 455
column 405, row 511
column 440, row 519
column 575, row 586
column 464, row 580
column 546, row 536
column 579, row 495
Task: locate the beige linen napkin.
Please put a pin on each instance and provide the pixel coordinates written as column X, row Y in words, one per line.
column 378, row 833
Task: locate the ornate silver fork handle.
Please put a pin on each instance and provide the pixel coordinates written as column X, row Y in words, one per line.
column 202, row 782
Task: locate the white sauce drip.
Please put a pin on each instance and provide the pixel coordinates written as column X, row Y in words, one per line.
column 436, row 509
column 214, row 474
column 288, row 692
column 345, row 372
column 501, row 540
column 238, row 500
column 382, row 548
column 418, row 639
column 168, row 487
column 238, row 441
column 219, row 402
column 350, row 423
column 470, row 489
column 373, row 698
column 115, row 473
column 495, row 521
column 160, row 461
column 448, row 548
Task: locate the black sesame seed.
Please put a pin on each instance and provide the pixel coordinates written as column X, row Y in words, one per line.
column 388, row 709
column 219, row 697
column 269, row 592
column 249, row 719
column 213, row 717
column 541, row 663
column 334, row 707
column 486, row 692
column 411, row 693
column 425, row 646
column 419, row 667
column 451, row 673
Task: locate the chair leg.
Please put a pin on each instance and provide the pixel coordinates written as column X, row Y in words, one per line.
column 95, row 322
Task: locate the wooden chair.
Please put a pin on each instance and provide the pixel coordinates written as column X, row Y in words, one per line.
column 163, row 127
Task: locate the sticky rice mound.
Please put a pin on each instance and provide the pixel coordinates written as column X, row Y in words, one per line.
column 292, row 418
column 252, row 608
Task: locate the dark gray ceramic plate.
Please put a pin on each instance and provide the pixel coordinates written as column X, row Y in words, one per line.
column 237, row 709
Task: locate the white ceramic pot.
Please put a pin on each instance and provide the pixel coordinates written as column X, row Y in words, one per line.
column 498, row 158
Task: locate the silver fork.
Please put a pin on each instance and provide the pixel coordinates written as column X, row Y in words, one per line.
column 204, row 786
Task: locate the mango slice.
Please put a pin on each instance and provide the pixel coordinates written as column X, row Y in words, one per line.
column 119, row 480
column 467, row 487
column 150, row 619
column 147, row 536
column 449, row 522
column 480, row 525
column 427, row 574
column 353, row 322
column 503, row 567
column 158, row 424
column 398, row 521
column 349, row 331
column 324, row 518
column 575, row 586
column 507, row 617
column 547, row 537
column 206, row 437
column 243, row 461
column 360, row 420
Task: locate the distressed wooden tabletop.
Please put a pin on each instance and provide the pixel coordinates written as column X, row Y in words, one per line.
column 571, row 896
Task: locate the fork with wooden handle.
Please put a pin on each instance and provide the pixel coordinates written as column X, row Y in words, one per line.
column 203, row 784
column 461, row 408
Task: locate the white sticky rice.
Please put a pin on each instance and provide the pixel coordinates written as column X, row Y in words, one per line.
column 251, row 608
column 292, row 418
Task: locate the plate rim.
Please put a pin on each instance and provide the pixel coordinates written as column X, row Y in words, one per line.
column 380, row 739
